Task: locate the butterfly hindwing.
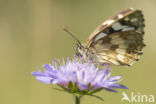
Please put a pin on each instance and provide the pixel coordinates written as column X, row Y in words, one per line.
column 120, row 48
column 119, row 40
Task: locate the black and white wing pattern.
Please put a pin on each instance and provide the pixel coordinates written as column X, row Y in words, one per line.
column 119, row 40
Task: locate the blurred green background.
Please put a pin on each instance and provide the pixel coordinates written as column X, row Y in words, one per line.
column 31, row 35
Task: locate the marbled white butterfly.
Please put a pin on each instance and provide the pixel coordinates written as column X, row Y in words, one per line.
column 117, row 41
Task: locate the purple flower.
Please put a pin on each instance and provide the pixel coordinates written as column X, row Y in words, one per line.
column 75, row 76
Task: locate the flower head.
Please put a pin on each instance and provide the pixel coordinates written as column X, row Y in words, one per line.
column 75, row 76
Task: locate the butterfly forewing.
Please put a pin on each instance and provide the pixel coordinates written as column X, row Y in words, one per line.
column 119, row 40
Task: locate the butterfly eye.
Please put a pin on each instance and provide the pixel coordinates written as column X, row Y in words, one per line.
column 78, row 51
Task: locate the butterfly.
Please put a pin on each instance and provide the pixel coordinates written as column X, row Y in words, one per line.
column 117, row 41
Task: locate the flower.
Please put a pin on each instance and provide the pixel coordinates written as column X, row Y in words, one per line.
column 78, row 77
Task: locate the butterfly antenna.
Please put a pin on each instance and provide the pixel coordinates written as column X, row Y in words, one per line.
column 73, row 35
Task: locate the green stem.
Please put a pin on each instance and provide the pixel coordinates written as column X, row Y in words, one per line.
column 77, row 99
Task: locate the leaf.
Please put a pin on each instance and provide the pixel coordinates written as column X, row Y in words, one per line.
column 98, row 97
column 83, row 92
column 97, row 90
column 63, row 88
column 76, row 88
column 70, row 86
column 59, row 89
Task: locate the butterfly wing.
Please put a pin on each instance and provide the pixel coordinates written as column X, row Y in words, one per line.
column 119, row 40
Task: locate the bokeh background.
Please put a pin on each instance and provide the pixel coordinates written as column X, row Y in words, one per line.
column 31, row 35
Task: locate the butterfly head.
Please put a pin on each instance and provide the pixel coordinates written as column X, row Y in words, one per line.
column 81, row 50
